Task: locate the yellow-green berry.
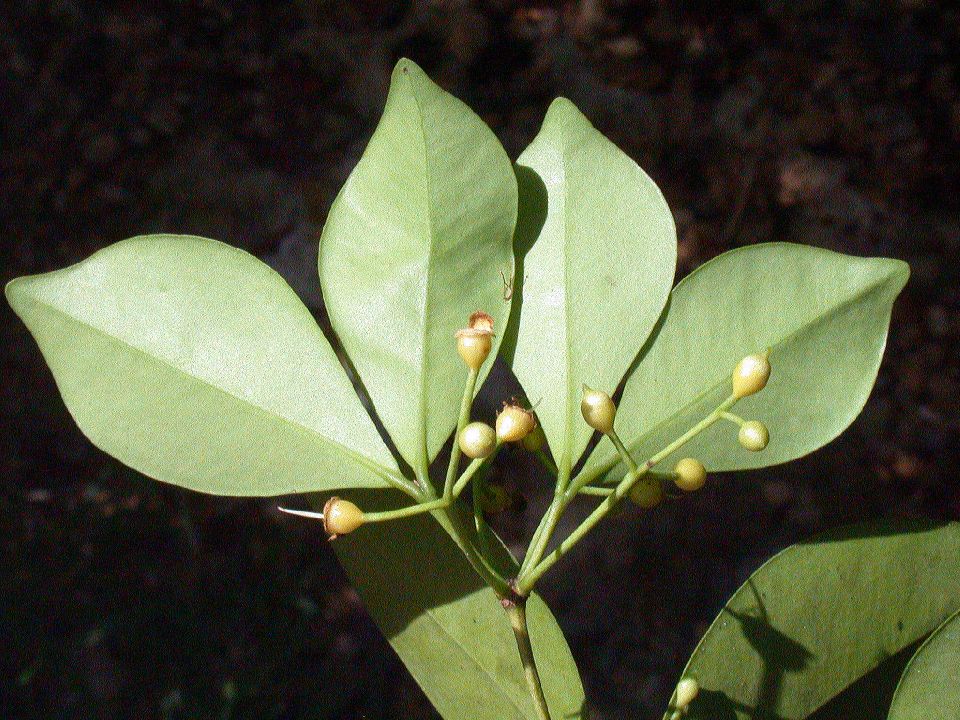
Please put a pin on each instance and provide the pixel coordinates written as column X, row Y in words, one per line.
column 494, row 499
column 750, row 376
column 598, row 410
column 690, row 474
column 514, row 423
column 477, row 440
column 535, row 440
column 687, row 691
column 648, row 493
column 754, row 435
column 341, row 517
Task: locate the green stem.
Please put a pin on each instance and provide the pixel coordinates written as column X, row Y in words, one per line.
column 548, row 463
column 735, row 419
column 471, row 470
column 449, row 518
column 528, row 578
column 516, row 611
column 478, row 520
column 597, row 491
column 465, row 403
column 548, row 523
column 622, row 450
column 409, row 511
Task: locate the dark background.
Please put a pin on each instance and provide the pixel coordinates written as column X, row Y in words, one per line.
column 833, row 124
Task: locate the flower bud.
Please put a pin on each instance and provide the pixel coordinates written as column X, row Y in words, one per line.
column 341, row 517
column 686, row 692
column 535, row 440
column 514, row 423
column 598, row 410
column 477, row 440
column 754, row 435
column 494, row 499
column 750, row 376
column 474, row 342
column 648, row 493
column 691, row 474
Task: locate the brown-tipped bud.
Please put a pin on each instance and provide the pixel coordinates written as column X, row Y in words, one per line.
column 690, row 474
column 648, row 493
column 751, row 375
column 481, row 322
column 475, row 340
column 341, row 517
column 754, row 435
column 514, row 423
column 477, row 440
column 598, row 410
column 535, row 440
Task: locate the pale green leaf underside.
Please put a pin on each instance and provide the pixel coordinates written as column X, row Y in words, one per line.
column 597, row 276
column 823, row 315
column 821, row 617
column 415, row 242
column 930, row 686
column 196, row 364
column 449, row 629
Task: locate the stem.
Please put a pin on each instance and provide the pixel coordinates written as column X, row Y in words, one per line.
column 548, row 523
column 735, row 419
column 541, row 536
column 462, row 420
column 516, row 611
column 528, row 577
column 403, row 512
column 471, row 470
column 598, row 491
column 449, row 518
column 547, row 462
column 624, row 453
column 478, row 520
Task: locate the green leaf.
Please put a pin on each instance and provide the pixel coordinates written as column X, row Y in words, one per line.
column 449, row 628
column 600, row 263
column 819, row 630
column 824, row 316
column 195, row 363
column 415, row 242
column 929, row 687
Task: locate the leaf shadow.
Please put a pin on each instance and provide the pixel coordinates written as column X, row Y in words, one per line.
column 779, row 653
column 867, row 698
column 380, row 564
column 531, row 215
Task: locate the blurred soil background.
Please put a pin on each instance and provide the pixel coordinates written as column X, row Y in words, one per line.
column 830, row 123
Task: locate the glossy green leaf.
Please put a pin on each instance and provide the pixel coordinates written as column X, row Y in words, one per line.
column 599, row 254
column 823, row 315
column 930, row 686
column 449, row 628
column 194, row 363
column 821, row 629
column 417, row 240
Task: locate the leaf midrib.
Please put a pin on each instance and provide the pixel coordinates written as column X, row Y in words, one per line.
column 423, row 467
column 608, row 465
column 375, row 467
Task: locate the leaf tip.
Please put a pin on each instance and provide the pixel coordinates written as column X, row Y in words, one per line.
column 406, row 66
column 563, row 110
column 16, row 293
